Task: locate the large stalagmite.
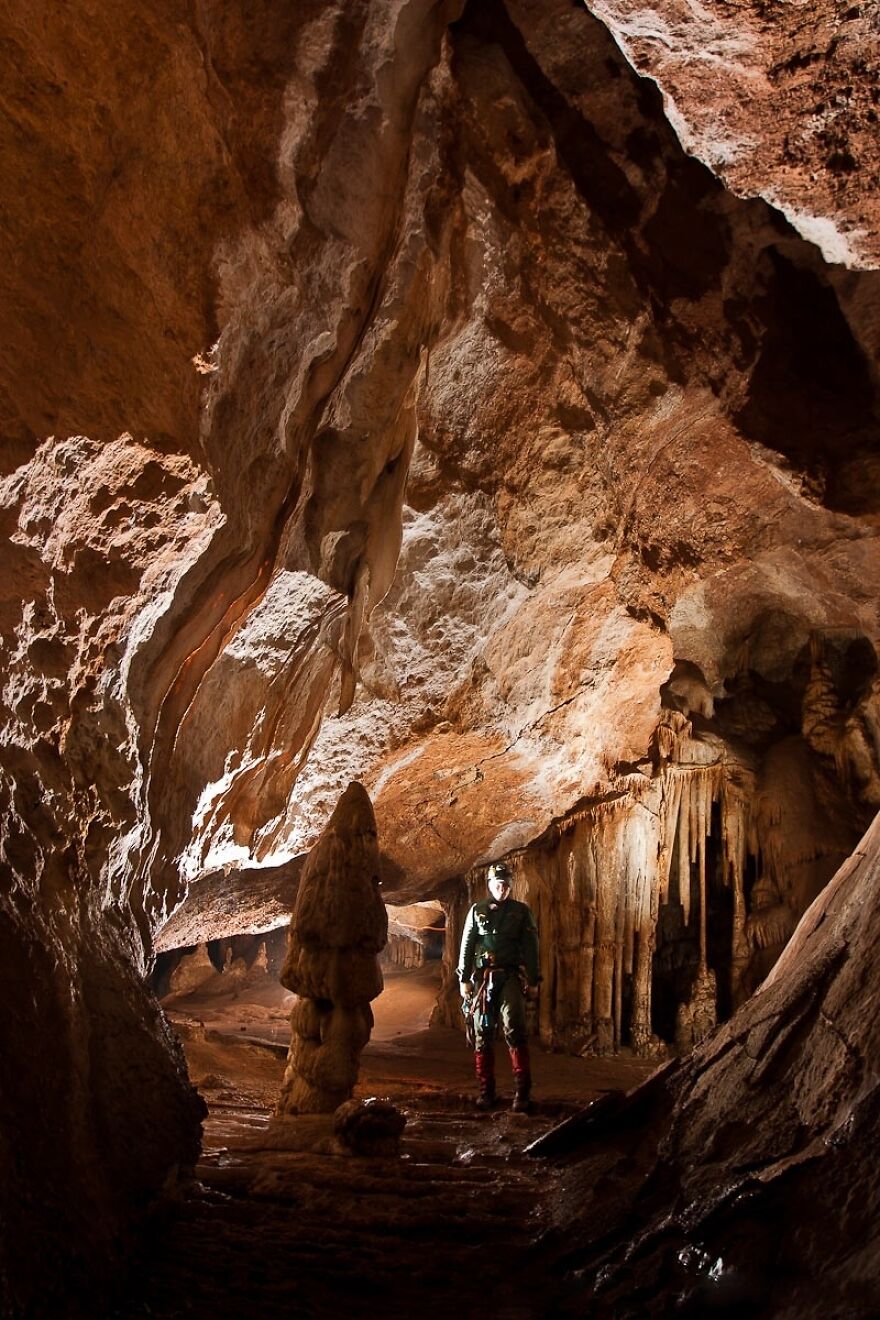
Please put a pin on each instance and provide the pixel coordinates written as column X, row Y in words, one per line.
column 394, row 390
column 338, row 928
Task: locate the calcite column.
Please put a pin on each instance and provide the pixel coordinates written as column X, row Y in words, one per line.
column 338, row 928
column 641, row 1033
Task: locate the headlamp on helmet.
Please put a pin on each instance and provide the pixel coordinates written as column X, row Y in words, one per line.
column 500, row 871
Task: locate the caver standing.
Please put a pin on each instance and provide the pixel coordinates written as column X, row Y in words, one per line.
column 497, row 968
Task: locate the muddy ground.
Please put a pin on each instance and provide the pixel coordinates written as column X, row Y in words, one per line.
column 278, row 1221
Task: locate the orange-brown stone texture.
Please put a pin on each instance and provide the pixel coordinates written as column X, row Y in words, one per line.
column 476, row 400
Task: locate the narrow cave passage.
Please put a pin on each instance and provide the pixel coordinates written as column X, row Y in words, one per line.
column 266, row 1229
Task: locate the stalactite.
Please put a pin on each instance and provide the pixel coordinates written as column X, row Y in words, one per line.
column 702, row 828
column 614, row 863
column 402, row 950
column 734, row 832
column 684, row 855
column 669, row 828
column 588, row 957
column 663, row 843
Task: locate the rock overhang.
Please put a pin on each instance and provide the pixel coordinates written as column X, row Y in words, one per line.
column 349, row 289
column 626, row 520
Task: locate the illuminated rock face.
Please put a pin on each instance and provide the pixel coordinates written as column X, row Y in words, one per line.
column 338, row 928
column 403, row 341
column 671, row 895
column 793, row 119
column 646, row 454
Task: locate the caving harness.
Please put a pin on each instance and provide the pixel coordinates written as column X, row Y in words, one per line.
column 479, row 1009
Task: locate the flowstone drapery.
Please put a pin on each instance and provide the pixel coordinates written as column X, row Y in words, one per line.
column 665, row 901
column 338, row 928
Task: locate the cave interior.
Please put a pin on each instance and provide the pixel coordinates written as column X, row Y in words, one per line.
column 468, row 410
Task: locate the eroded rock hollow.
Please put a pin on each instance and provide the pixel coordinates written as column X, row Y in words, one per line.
column 475, row 400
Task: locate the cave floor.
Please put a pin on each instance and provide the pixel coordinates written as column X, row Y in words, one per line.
column 278, row 1222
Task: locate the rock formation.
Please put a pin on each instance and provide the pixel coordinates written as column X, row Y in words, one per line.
column 663, row 903
column 794, row 117
column 415, row 932
column 417, row 393
column 192, row 971
column 369, row 1127
column 747, row 1183
column 338, row 928
column 669, row 496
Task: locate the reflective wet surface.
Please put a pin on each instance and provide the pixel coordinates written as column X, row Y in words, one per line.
column 280, row 1221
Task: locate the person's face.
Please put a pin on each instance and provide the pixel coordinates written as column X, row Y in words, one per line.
column 499, row 888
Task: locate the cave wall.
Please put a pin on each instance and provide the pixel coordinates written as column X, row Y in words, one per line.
column 646, row 437
column 146, row 489
column 386, row 394
column 701, row 860
column 794, row 117
column 130, row 144
column 743, row 1179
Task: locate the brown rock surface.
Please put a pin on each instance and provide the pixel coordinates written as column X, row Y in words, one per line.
column 338, row 928
column 780, row 100
column 395, row 360
column 667, row 377
column 750, row 1179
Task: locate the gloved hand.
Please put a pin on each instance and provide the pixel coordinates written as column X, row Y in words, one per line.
column 467, row 989
column 531, row 993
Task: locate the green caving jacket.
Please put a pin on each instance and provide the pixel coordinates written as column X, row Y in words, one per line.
column 506, row 930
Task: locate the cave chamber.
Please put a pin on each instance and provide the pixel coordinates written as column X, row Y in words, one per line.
column 476, row 400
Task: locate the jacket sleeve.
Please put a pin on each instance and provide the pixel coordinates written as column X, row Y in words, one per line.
column 529, row 947
column 465, row 967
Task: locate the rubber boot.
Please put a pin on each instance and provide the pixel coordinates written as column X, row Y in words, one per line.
column 485, row 1065
column 522, row 1077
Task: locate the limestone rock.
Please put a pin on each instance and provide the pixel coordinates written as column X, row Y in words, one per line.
column 338, row 928
column 697, row 1017
column 193, row 970
column 391, row 397
column 259, row 968
column 402, row 950
column 660, row 507
column 792, row 119
column 772, row 1121
column 369, row 1127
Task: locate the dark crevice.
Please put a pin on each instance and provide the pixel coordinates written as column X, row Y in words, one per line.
column 685, row 244
column 811, row 397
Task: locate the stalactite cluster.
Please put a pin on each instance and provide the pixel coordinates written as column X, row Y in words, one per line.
column 626, row 879
column 662, row 903
column 403, row 951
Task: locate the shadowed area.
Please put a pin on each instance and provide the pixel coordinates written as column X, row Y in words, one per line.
column 334, row 1231
column 475, row 401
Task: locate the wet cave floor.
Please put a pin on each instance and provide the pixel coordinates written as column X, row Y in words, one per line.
column 278, row 1224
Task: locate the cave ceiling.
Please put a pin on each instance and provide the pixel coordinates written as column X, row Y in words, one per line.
column 478, row 400
column 449, row 395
